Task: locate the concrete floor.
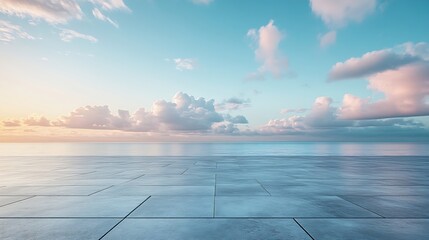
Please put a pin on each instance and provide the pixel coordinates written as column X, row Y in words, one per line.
column 214, row 198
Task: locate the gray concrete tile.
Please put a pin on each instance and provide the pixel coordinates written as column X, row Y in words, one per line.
column 240, row 189
column 72, row 206
column 59, row 229
column 394, row 206
column 176, row 206
column 234, row 229
column 50, row 190
column 261, row 206
column 181, row 180
column 368, row 229
column 129, row 190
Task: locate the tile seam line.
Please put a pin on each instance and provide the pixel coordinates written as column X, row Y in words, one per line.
column 123, row 218
column 303, row 229
column 20, row 200
column 362, row 207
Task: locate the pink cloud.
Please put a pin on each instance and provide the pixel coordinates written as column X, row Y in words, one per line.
column 401, row 74
column 336, row 14
column 405, row 89
column 328, row 38
column 272, row 61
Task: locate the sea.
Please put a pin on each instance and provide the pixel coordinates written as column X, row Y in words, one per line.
column 216, row 149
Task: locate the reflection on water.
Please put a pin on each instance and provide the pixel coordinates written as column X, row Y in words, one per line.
column 215, row 149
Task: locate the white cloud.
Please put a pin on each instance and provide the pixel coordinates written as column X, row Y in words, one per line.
column 268, row 38
column 52, row 11
column 202, row 2
column 111, row 4
column 10, row 32
column 336, row 14
column 328, row 38
column 184, row 63
column 68, row 35
column 99, row 15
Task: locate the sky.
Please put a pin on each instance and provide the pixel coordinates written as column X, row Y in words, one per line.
column 214, row 70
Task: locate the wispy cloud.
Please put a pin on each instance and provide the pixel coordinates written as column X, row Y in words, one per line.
column 10, row 32
column 268, row 38
column 183, row 64
column 328, row 39
column 233, row 103
column 67, row 35
column 12, row 123
column 59, row 11
column 99, row 15
column 111, row 4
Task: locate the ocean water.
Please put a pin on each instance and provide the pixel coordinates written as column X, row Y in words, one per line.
column 215, row 149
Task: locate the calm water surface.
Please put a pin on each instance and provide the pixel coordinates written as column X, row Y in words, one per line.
column 215, row 149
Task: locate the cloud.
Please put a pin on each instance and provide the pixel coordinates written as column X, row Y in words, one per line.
column 370, row 63
column 336, row 14
column 406, row 91
column 323, row 122
column 202, row 2
column 233, row 103
column 239, row 119
column 13, row 123
column 268, row 38
column 99, row 15
column 67, row 35
column 42, row 121
column 10, row 32
column 290, row 110
column 328, row 38
column 401, row 74
column 111, row 4
column 57, row 11
column 184, row 63
column 184, row 113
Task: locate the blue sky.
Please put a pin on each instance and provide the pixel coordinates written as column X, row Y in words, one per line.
column 276, row 70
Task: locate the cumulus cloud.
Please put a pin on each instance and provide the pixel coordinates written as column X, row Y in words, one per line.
column 99, row 15
column 51, row 11
column 328, row 38
column 336, row 14
column 10, row 32
column 67, row 35
column 184, row 113
column 268, row 38
column 233, row 103
column 401, row 74
column 202, row 2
